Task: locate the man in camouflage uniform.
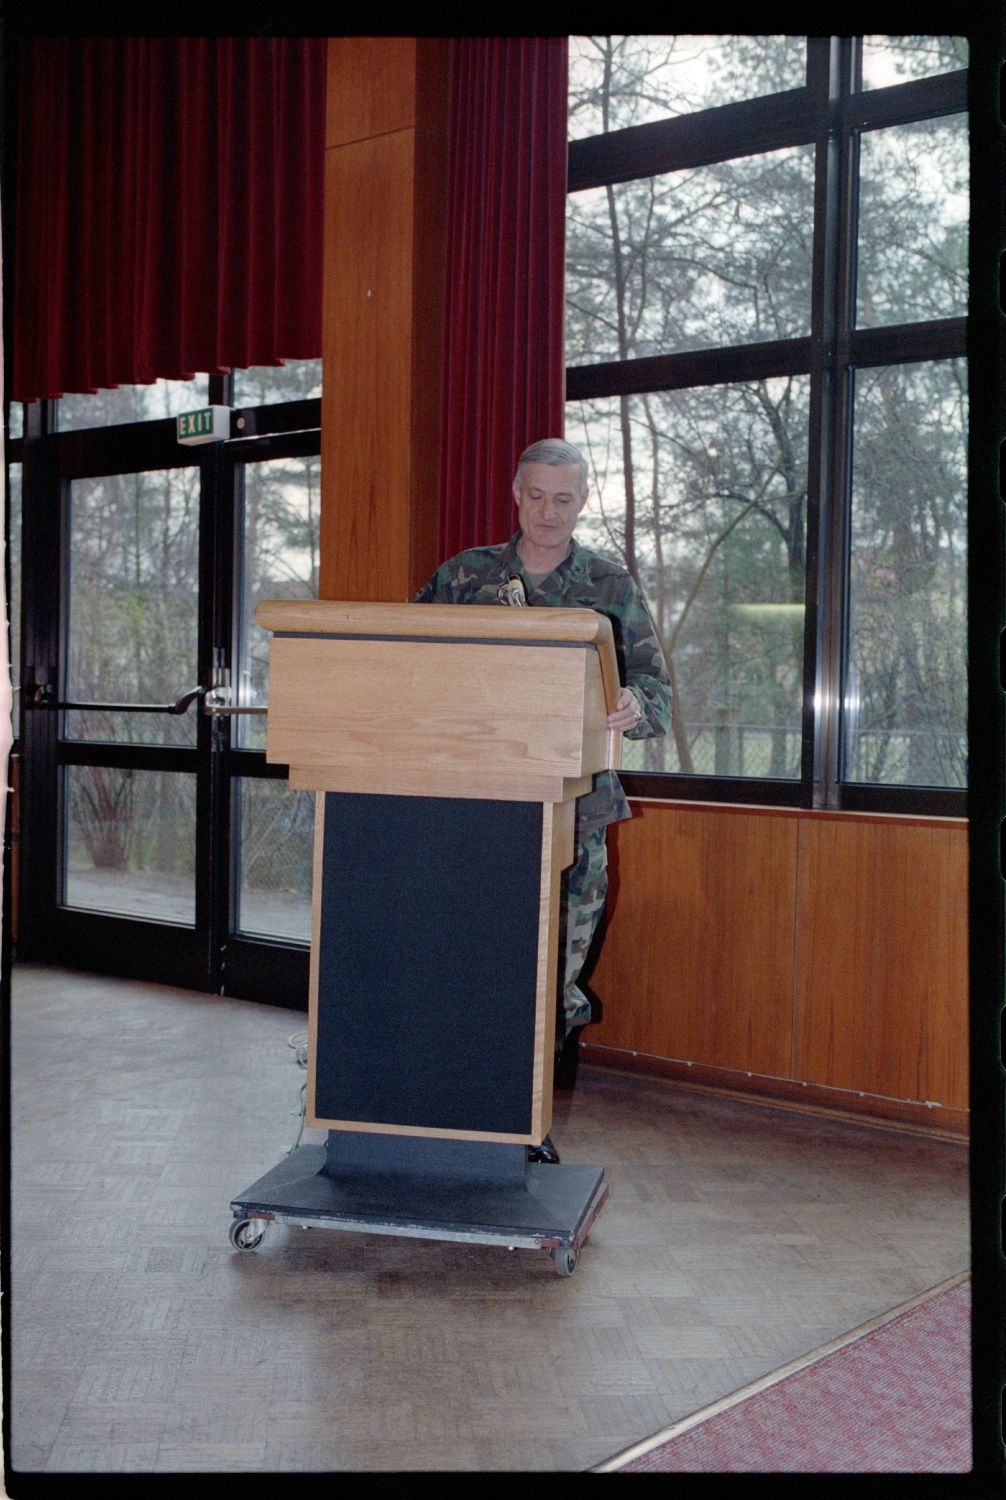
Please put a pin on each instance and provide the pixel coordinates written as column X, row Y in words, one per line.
column 552, row 568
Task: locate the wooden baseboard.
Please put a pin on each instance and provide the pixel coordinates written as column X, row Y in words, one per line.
column 933, row 1120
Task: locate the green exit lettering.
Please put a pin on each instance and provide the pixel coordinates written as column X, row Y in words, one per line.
column 208, row 425
column 195, row 423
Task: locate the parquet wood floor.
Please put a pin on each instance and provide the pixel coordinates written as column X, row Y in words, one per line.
column 735, row 1238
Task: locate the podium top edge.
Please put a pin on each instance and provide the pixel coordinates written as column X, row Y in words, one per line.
column 471, row 622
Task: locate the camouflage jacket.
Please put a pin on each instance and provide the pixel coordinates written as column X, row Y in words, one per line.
column 584, row 580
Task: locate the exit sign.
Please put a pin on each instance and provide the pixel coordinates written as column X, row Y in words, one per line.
column 211, row 424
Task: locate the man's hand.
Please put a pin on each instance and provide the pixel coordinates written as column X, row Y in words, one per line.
column 627, row 712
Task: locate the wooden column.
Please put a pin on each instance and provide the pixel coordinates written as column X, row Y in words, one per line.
column 385, row 174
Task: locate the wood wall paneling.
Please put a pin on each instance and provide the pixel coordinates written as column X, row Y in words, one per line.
column 881, row 968
column 696, row 961
column 825, row 952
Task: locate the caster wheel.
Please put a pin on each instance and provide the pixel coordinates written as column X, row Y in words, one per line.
column 245, row 1234
column 564, row 1260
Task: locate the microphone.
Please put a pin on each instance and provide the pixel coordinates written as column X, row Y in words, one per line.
column 512, row 592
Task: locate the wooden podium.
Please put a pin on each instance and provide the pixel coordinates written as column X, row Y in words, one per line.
column 446, row 745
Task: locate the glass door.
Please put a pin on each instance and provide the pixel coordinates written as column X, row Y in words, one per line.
column 132, row 569
column 275, row 484
column 157, row 841
column 115, row 791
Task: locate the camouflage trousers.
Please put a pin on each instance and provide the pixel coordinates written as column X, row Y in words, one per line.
column 584, row 889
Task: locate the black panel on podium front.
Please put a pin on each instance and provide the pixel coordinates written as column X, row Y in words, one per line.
column 428, row 962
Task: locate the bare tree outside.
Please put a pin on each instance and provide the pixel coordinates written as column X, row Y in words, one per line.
column 279, row 551
column 131, row 628
column 264, row 385
column 703, row 491
column 906, row 688
column 629, row 80
column 132, row 403
column 131, row 621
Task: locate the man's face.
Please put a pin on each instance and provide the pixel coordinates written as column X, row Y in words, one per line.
column 549, row 500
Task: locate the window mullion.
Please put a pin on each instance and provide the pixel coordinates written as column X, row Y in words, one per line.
column 832, row 441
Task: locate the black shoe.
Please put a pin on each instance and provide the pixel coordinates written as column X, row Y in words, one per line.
column 546, row 1152
column 567, row 1056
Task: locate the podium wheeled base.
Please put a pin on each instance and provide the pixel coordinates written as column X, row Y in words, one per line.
column 542, row 1207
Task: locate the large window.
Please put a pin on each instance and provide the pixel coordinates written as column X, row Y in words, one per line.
column 766, row 284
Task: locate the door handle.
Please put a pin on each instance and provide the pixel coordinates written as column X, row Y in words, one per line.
column 216, row 702
column 43, row 698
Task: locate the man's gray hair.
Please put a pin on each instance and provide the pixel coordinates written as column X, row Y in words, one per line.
column 553, row 451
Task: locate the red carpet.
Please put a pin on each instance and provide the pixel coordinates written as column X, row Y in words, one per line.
column 894, row 1397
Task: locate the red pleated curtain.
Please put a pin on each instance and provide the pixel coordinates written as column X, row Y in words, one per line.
column 168, row 208
column 503, row 373
column 169, row 220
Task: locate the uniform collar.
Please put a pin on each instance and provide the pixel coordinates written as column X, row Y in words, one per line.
column 573, row 565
